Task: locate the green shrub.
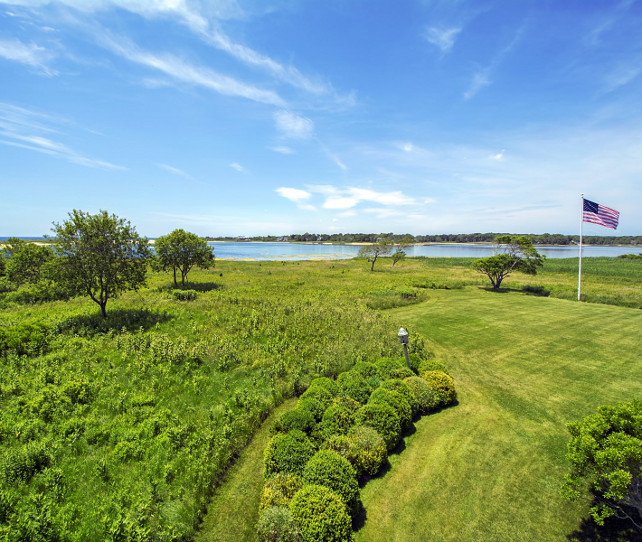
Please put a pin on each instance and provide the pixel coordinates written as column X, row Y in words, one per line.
column 367, row 450
column 426, row 398
column 327, row 468
column 184, row 295
column 338, row 443
column 443, row 386
column 325, row 383
column 287, row 452
column 536, row 290
column 383, row 419
column 337, row 420
column 396, row 401
column 414, row 360
column 401, row 373
column 276, row 524
column 321, row 515
column 367, row 370
column 279, row 490
column 318, row 393
column 432, row 365
column 297, row 418
column 347, row 402
column 313, row 406
column 25, row 339
column 387, row 365
column 355, row 386
column 404, row 389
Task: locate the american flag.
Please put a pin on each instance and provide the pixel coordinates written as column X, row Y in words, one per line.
column 599, row 214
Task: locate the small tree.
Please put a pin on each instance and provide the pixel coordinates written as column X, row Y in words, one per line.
column 99, row 256
column 400, row 253
column 605, row 453
column 382, row 247
column 26, row 261
column 182, row 250
column 517, row 254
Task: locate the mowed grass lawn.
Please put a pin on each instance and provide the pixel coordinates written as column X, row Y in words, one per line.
column 490, row 468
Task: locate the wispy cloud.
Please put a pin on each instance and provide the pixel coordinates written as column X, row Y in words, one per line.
column 347, row 198
column 30, row 54
column 441, row 37
column 293, row 126
column 25, row 129
column 185, row 72
column 623, row 74
column 282, row 149
column 298, row 196
column 174, row 170
column 238, row 167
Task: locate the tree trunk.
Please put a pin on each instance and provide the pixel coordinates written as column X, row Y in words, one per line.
column 175, row 282
column 103, row 310
column 373, row 262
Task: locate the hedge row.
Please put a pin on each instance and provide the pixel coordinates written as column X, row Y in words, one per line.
column 340, row 432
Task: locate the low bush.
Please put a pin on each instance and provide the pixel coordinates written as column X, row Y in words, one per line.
column 279, row 490
column 367, row 450
column 325, row 383
column 184, row 295
column 338, row 443
column 403, row 389
column 387, row 365
column 432, row 365
column 401, row 373
column 396, row 401
column 337, row 420
column 313, row 406
column 355, row 386
column 443, row 386
column 327, row 468
column 383, row 419
column 276, row 524
column 287, row 453
column 321, row 515
column 424, row 394
column 298, row 418
column 320, row 394
column 367, row 370
column 25, row 339
column 536, row 290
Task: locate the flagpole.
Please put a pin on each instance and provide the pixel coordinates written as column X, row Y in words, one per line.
column 579, row 276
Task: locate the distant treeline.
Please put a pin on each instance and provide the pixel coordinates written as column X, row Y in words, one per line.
column 538, row 239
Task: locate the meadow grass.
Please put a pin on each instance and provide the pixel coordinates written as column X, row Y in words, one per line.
column 491, row 467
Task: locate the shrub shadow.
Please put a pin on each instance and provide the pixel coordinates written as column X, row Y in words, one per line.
column 359, row 519
column 197, row 286
column 613, row 530
column 118, row 320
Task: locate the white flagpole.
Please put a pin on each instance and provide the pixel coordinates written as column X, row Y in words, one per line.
column 579, row 277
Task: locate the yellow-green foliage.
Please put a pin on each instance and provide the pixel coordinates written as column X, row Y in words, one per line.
column 396, row 401
column 321, row 515
column 443, row 385
column 367, row 450
column 327, row 468
column 383, row 419
column 279, row 489
column 424, row 394
column 287, row 453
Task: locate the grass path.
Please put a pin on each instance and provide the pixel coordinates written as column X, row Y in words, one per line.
column 490, row 468
column 233, row 511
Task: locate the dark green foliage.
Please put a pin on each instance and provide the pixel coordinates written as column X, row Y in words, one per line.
column 24, row 339
column 27, row 262
column 367, row 450
column 354, row 386
column 313, row 406
column 325, row 383
column 432, row 365
column 383, row 419
column 424, row 394
column 605, row 453
column 184, row 295
column 320, row 394
column 401, row 373
column 23, row 463
column 276, row 524
column 298, row 418
column 387, row 365
column 337, row 420
column 328, row 468
column 402, row 388
column 397, row 401
column 321, row 515
column 279, row 489
column 180, row 251
column 443, row 386
column 367, row 370
column 287, row 452
column 536, row 290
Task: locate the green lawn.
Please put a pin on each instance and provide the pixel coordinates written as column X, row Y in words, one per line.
column 490, row 468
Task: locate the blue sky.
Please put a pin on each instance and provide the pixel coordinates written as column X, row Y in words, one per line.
column 278, row 117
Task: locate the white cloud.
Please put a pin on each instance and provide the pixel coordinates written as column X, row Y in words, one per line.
column 499, row 156
column 30, row 54
column 238, row 167
column 347, row 198
column 297, row 196
column 293, row 126
column 282, row 149
column 442, row 38
column 480, row 80
column 174, row 170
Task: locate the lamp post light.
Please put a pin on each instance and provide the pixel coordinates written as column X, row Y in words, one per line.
column 403, row 337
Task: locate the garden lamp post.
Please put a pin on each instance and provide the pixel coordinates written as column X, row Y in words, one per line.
column 403, row 337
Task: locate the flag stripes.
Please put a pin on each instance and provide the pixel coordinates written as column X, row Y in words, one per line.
column 599, row 214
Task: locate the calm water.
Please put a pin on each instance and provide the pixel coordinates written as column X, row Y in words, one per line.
column 309, row 251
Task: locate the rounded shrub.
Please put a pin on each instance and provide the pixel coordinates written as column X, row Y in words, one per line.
column 403, row 389
column 337, row 420
column 383, row 419
column 297, row 418
column 367, row 370
column 276, row 524
column 355, row 386
column 401, row 373
column 432, row 365
column 423, row 393
column 318, row 393
column 367, row 450
column 321, row 515
column 327, row 468
column 325, row 383
column 279, row 489
column 386, row 365
column 313, row 406
column 347, row 402
column 396, row 401
column 287, row 452
column 340, row 444
column 443, row 385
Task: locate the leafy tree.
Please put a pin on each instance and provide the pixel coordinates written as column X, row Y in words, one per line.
column 182, row 250
column 99, row 256
column 400, row 253
column 605, row 453
column 25, row 262
column 382, row 247
column 518, row 254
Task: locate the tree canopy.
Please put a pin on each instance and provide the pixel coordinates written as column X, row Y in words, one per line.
column 605, row 453
column 99, row 255
column 25, row 262
column 382, row 247
column 516, row 253
column 182, row 250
